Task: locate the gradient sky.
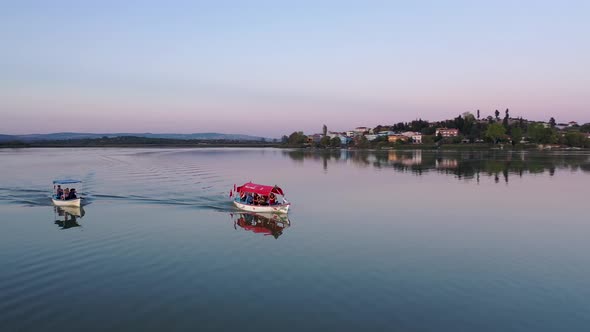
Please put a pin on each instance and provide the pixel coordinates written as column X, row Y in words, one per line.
column 273, row 67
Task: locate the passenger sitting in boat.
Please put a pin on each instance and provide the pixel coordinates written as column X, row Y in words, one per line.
column 72, row 194
column 66, row 194
column 272, row 199
column 255, row 201
column 262, row 200
column 249, row 199
column 242, row 196
column 59, row 192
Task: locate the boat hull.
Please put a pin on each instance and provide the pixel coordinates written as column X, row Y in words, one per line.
column 283, row 208
column 68, row 202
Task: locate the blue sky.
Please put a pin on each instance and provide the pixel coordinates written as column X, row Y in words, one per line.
column 272, row 67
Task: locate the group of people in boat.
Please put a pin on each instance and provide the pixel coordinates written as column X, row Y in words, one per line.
column 256, row 199
column 65, row 194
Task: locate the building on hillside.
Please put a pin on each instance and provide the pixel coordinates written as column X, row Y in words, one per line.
column 397, row 138
column 385, row 133
column 344, row 140
column 371, row 137
column 447, row 132
column 416, row 137
column 360, row 130
column 333, row 134
column 572, row 123
column 315, row 138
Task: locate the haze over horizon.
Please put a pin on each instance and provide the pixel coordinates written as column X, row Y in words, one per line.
column 268, row 69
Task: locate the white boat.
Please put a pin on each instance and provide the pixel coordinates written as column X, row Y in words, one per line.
column 57, row 201
column 66, row 202
column 260, row 198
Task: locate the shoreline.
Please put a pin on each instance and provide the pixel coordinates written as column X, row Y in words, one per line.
column 430, row 147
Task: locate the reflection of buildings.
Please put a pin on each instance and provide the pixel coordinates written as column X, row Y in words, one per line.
column 267, row 224
column 446, row 163
column 464, row 165
column 414, row 158
column 68, row 216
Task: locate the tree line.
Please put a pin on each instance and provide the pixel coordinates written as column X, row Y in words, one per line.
column 492, row 129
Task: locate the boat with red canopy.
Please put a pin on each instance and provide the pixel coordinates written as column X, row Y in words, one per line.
column 260, row 198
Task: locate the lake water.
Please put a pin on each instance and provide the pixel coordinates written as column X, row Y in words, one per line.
column 391, row 241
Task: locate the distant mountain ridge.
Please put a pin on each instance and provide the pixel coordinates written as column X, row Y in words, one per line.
column 69, row 136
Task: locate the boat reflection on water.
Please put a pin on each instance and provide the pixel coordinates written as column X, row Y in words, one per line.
column 262, row 223
column 67, row 216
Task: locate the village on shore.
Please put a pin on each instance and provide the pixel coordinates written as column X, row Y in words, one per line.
column 462, row 130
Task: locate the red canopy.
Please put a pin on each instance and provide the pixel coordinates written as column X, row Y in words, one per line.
column 259, row 189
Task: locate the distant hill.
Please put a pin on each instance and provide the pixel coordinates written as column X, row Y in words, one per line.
column 71, row 136
column 4, row 138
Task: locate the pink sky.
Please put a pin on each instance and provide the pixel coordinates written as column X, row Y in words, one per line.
column 270, row 70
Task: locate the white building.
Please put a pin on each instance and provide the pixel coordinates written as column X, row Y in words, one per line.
column 447, row 132
column 415, row 136
column 371, row 137
column 361, row 130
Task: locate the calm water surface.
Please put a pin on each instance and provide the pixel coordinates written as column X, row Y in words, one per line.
column 393, row 241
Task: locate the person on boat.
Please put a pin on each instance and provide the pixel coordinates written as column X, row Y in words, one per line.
column 72, row 194
column 263, row 200
column 66, row 193
column 242, row 196
column 256, row 199
column 249, row 199
column 272, row 199
column 59, row 192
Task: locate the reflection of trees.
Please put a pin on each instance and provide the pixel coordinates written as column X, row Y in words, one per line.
column 324, row 155
column 461, row 164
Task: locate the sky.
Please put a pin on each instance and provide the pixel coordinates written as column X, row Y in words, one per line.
column 273, row 67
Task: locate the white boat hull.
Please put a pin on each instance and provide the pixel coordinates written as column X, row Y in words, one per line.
column 283, row 208
column 68, row 202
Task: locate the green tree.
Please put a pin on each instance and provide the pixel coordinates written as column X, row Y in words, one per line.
column 541, row 135
column 478, row 114
column 497, row 115
column 325, row 141
column 552, row 122
column 495, row 132
column 297, row 138
column 361, row 142
column 505, row 121
column 576, row 139
column 325, row 130
column 427, row 139
column 335, row 142
column 516, row 135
